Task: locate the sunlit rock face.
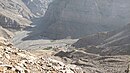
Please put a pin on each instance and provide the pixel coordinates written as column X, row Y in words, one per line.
column 37, row 7
column 77, row 18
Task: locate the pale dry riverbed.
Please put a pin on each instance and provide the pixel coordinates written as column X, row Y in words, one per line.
column 38, row 44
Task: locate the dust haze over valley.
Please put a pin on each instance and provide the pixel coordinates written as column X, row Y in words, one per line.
column 64, row 36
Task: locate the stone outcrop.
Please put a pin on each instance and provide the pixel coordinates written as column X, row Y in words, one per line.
column 78, row 18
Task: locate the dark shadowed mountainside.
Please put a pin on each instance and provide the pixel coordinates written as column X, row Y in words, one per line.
column 108, row 43
column 74, row 18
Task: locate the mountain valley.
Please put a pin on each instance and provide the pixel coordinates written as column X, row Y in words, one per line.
column 64, row 36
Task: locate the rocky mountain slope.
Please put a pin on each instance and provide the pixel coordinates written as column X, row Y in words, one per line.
column 78, row 18
column 20, row 14
column 14, row 14
column 111, row 43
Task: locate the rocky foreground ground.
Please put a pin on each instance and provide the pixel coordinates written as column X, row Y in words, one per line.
column 13, row 60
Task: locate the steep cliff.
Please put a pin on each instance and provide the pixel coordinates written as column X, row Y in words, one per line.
column 37, row 7
column 81, row 17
